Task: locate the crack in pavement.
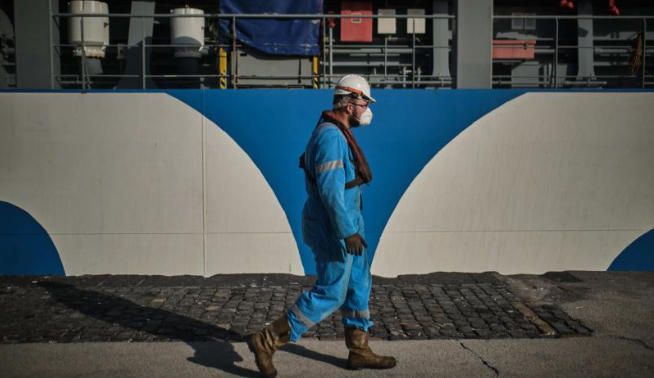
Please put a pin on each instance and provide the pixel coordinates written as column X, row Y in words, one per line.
column 632, row 339
column 486, row 363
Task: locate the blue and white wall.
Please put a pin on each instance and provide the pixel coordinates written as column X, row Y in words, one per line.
column 206, row 182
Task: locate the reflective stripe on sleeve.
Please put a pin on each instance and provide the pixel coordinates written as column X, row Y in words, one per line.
column 328, row 166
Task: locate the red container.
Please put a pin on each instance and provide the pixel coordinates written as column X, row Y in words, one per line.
column 513, row 49
column 356, row 29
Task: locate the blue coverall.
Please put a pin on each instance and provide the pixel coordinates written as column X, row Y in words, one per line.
column 332, row 213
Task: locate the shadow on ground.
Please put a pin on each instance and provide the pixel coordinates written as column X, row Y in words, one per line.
column 209, row 342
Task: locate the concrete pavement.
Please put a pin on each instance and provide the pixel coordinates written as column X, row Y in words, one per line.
column 619, row 307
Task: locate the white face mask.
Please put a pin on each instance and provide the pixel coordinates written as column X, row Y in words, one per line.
column 366, row 118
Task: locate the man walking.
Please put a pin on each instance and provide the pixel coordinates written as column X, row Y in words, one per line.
column 333, row 227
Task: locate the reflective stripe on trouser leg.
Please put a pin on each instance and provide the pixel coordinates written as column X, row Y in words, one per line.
column 297, row 313
column 327, row 294
column 356, row 313
column 355, row 308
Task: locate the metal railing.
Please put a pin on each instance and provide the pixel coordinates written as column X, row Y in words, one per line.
column 553, row 54
column 328, row 48
column 373, row 57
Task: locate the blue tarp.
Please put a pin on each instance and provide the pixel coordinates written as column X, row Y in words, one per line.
column 275, row 36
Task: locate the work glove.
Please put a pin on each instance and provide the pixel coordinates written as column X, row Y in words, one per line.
column 355, row 244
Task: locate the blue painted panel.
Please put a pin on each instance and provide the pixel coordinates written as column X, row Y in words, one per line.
column 272, row 127
column 638, row 256
column 25, row 247
column 408, row 129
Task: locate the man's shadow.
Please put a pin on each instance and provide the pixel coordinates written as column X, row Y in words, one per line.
column 210, row 343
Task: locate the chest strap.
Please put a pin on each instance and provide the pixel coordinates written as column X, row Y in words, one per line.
column 348, row 185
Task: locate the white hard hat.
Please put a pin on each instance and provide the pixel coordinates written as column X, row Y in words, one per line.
column 354, row 84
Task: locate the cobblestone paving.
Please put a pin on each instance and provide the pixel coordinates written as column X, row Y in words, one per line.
column 189, row 308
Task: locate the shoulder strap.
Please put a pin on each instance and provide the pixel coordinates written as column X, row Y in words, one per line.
column 358, row 180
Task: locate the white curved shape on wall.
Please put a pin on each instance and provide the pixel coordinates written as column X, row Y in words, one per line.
column 247, row 229
column 548, row 181
column 139, row 183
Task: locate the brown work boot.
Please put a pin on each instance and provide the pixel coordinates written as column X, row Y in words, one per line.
column 264, row 344
column 361, row 356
